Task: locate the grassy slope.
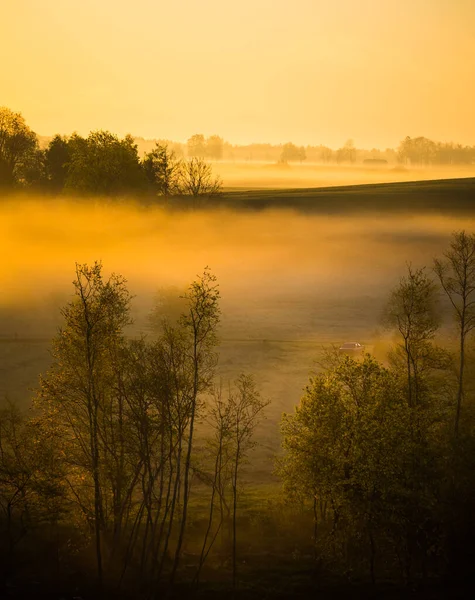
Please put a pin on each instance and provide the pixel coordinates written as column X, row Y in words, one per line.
column 446, row 196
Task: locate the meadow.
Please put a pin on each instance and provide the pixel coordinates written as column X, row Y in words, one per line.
column 271, row 176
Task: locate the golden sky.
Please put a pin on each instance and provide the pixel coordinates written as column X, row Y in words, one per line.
column 310, row 71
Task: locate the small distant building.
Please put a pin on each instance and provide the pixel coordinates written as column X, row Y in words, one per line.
column 376, row 162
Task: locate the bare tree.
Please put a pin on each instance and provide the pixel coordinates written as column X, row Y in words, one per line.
column 220, row 453
column 456, row 273
column 199, row 324
column 196, row 178
column 245, row 407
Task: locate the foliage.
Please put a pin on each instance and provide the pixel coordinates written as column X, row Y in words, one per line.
column 196, row 146
column 350, row 449
column 347, row 153
column 32, row 486
column 456, row 273
column 423, row 151
column 214, row 147
column 162, row 169
column 412, row 309
column 57, row 156
column 81, row 393
column 290, row 152
column 17, row 143
column 103, row 164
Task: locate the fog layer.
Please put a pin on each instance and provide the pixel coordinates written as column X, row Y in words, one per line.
column 261, row 260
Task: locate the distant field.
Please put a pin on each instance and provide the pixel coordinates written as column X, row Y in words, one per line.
column 448, row 196
column 242, row 176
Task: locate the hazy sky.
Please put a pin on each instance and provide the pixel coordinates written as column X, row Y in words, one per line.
column 310, row 71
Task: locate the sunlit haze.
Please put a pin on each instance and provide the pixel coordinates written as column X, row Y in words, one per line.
column 251, row 70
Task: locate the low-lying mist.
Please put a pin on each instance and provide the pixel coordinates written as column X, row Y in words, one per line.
column 267, row 261
column 255, row 175
column 290, row 282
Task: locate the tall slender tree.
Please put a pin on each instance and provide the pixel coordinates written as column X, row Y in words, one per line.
column 80, row 388
column 412, row 311
column 456, row 273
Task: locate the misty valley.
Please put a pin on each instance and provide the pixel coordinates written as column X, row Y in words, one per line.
column 177, row 419
column 237, row 300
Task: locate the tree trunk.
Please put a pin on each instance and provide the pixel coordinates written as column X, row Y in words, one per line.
column 460, row 383
column 235, row 480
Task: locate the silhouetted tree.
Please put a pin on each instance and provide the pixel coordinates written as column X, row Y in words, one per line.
column 57, row 156
column 326, row 154
column 31, row 173
column 80, row 390
column 199, row 324
column 291, row 152
column 17, row 143
column 412, row 311
column 196, row 146
column 162, row 169
column 214, row 147
column 245, row 408
column 347, row 448
column 456, row 273
column 347, row 153
column 417, row 151
column 103, row 164
column 196, row 178
column 31, row 481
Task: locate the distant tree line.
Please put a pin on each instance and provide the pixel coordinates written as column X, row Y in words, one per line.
column 422, row 151
column 99, row 164
column 104, row 164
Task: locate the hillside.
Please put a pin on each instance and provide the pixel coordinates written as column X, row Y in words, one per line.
column 445, row 195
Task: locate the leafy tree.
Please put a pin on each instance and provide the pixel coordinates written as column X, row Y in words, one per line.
column 58, row 156
column 347, row 447
column 17, row 142
column 326, row 154
column 199, row 324
column 79, row 392
column 103, row 164
column 214, row 147
column 31, row 173
column 291, row 152
column 456, row 273
column 196, row 146
column 412, row 310
column 417, row 151
column 162, row 169
column 347, row 153
column 31, row 484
